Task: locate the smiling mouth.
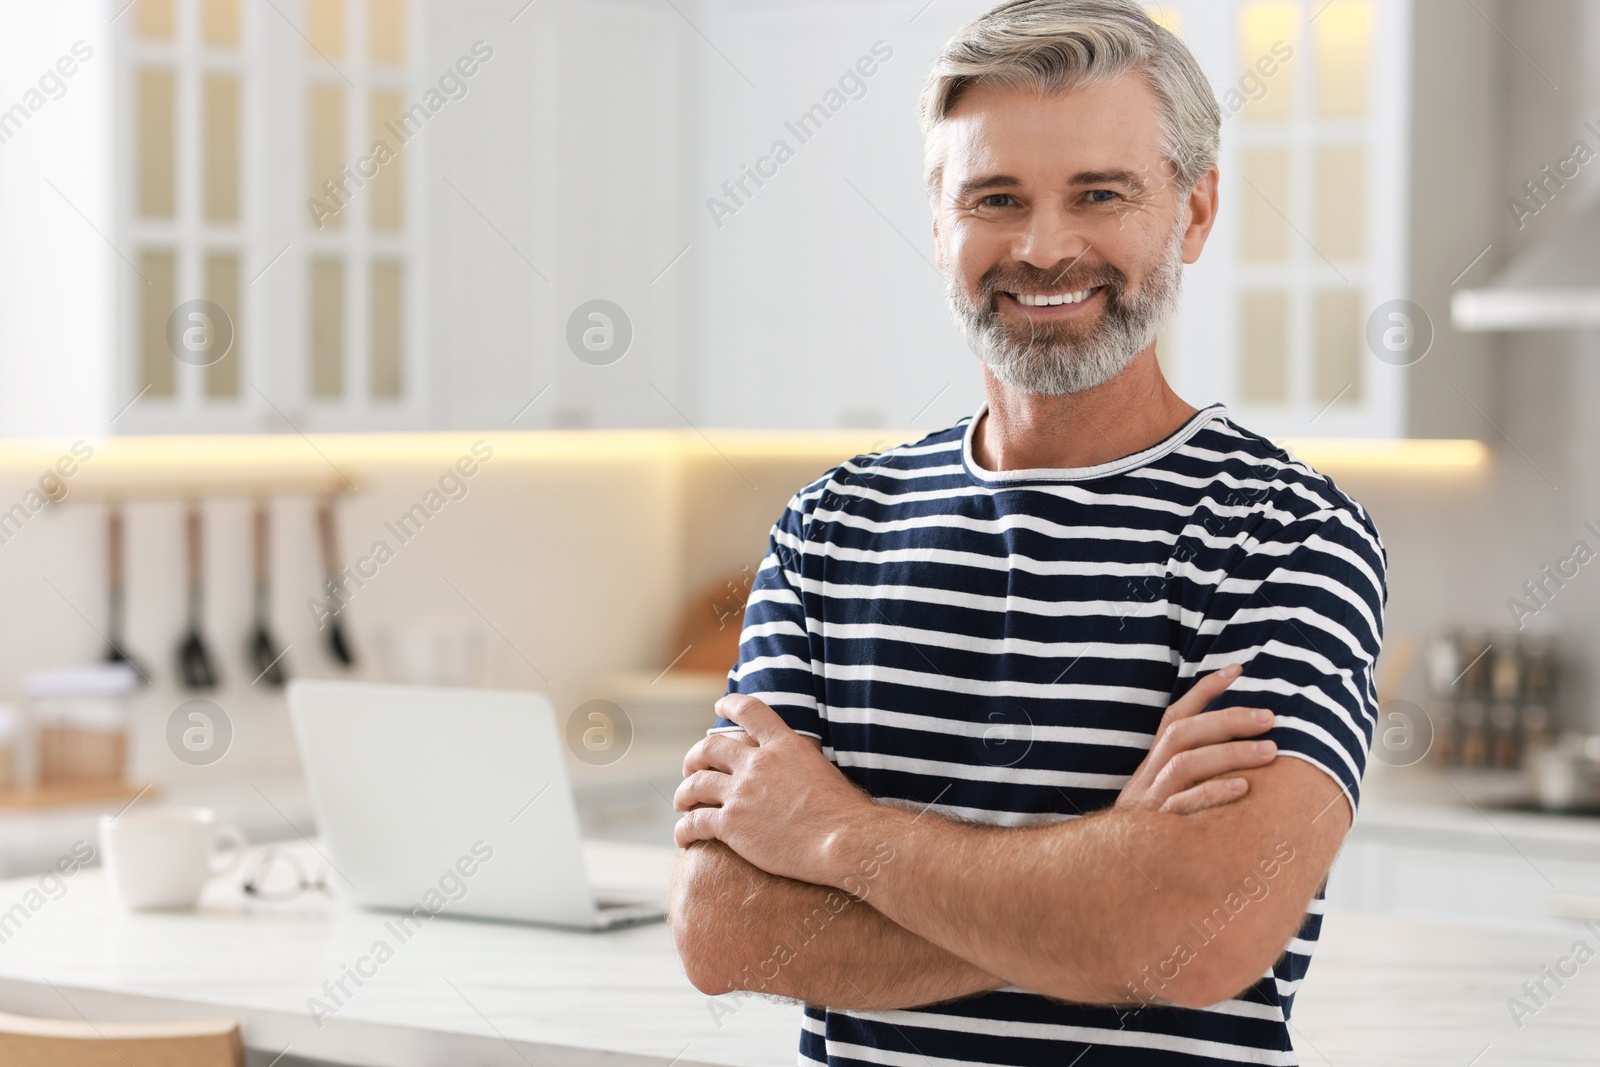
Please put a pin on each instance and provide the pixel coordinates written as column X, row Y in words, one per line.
column 1076, row 296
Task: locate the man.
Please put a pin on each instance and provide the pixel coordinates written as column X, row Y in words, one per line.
column 966, row 800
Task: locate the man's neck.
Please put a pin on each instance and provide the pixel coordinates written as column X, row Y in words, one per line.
column 1131, row 412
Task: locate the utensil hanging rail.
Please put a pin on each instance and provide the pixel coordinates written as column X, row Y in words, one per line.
column 209, row 489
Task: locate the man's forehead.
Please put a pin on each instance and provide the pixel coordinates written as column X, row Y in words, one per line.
column 1094, row 132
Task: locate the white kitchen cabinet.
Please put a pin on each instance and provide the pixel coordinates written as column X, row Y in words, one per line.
column 1310, row 240
column 493, row 165
column 1495, row 882
column 271, row 161
column 627, row 151
column 818, row 301
column 563, row 182
column 57, row 272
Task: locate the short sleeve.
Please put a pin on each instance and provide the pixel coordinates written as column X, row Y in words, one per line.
column 774, row 645
column 1303, row 613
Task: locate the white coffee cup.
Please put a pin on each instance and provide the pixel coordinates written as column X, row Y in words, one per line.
column 161, row 857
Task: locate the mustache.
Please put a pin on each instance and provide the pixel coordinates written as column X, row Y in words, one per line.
column 999, row 281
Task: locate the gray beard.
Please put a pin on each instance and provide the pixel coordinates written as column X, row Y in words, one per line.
column 1052, row 360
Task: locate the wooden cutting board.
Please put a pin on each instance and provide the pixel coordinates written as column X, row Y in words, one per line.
column 62, row 796
column 707, row 635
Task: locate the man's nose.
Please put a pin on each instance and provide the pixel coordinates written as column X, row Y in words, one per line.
column 1050, row 238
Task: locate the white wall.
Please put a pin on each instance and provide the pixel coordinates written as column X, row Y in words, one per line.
column 582, row 569
column 575, row 569
column 570, row 571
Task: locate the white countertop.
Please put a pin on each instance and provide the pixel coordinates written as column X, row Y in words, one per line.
column 1468, row 810
column 1380, row 990
column 1384, row 991
column 268, row 809
column 456, row 992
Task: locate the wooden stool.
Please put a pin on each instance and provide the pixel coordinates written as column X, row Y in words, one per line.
column 26, row 1041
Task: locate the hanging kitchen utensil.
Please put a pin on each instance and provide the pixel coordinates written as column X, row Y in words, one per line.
column 337, row 645
column 264, row 651
column 194, row 659
column 116, row 646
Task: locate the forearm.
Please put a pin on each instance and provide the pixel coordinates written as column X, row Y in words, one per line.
column 1087, row 910
column 1017, row 901
column 739, row 928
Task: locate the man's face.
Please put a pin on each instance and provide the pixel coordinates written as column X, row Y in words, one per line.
column 1064, row 197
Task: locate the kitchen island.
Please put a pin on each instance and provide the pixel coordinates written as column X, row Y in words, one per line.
column 1382, row 990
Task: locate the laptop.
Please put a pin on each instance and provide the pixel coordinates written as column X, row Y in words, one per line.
column 455, row 801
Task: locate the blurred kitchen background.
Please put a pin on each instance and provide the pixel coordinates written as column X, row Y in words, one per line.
column 512, row 317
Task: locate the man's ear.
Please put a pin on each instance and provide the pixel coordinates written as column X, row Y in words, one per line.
column 1202, row 205
column 938, row 246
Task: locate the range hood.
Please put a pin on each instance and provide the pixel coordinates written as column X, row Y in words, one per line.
column 1555, row 285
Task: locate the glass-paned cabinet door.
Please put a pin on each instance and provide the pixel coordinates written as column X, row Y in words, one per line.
column 268, row 196
column 185, row 334
column 360, row 229
column 1309, row 240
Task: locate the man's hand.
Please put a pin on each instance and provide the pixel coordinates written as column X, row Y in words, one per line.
column 1183, row 771
column 773, row 798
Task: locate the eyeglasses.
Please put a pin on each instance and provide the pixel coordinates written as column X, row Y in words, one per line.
column 278, row 874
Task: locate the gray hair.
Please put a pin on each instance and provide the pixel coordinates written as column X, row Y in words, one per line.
column 1056, row 46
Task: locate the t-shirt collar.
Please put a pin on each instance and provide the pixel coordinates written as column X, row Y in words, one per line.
column 1166, row 445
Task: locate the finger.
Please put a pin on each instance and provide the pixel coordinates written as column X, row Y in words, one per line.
column 701, row 789
column 718, row 752
column 1214, row 727
column 1202, row 693
column 702, row 824
column 759, row 721
column 1212, row 794
column 694, row 759
column 1190, row 768
column 735, row 733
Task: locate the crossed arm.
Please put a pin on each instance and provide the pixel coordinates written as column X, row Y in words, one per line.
column 804, row 886
column 738, row 927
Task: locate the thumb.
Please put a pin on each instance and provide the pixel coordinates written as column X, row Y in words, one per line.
column 759, row 721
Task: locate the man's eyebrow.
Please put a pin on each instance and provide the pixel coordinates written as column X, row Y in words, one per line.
column 1126, row 178
column 988, row 181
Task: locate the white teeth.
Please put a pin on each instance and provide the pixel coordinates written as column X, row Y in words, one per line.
column 1045, row 300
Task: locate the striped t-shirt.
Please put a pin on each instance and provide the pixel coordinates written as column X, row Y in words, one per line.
column 1001, row 646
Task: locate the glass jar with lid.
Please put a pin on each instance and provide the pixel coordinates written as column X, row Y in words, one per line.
column 81, row 718
column 11, row 747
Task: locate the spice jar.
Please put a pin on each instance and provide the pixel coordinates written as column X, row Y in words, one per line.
column 81, row 715
column 11, row 732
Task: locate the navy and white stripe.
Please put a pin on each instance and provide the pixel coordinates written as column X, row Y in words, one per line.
column 1001, row 645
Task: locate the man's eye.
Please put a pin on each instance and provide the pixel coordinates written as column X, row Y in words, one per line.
column 990, row 200
column 1095, row 195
